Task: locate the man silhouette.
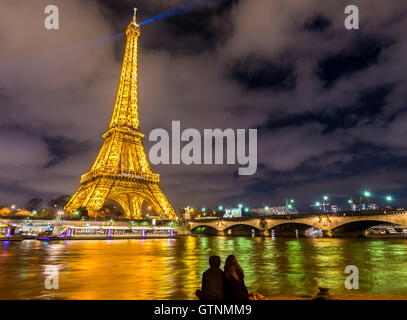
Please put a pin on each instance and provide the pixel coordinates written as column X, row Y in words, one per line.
column 212, row 282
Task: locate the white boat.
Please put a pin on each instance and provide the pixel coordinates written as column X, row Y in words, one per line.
column 9, row 233
column 68, row 232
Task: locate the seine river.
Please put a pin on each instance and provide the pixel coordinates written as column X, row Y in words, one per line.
column 172, row 268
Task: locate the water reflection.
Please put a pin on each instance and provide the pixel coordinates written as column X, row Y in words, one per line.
column 172, row 268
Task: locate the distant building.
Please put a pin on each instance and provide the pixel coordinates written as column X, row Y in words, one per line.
column 373, row 206
column 268, row 211
column 233, row 213
column 335, row 208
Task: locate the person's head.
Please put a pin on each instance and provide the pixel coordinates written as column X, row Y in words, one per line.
column 232, row 268
column 214, row 261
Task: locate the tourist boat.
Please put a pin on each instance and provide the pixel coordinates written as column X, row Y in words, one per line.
column 105, row 233
column 9, row 233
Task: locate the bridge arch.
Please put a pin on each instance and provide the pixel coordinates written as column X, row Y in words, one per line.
column 359, row 227
column 204, row 229
column 291, row 228
column 244, row 229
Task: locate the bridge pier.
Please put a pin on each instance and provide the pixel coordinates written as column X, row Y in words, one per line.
column 327, row 233
column 226, row 233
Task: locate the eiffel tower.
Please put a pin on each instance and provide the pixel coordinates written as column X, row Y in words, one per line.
column 121, row 171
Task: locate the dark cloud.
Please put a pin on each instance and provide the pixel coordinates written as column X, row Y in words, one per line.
column 319, row 23
column 61, row 148
column 256, row 73
column 363, row 52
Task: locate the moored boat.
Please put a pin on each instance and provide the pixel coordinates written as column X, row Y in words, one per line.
column 68, row 232
column 9, row 233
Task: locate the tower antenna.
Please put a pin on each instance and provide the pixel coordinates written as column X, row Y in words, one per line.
column 134, row 16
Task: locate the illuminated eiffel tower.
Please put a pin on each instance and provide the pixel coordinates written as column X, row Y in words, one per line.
column 121, row 171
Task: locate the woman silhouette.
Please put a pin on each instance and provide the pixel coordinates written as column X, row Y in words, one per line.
column 235, row 288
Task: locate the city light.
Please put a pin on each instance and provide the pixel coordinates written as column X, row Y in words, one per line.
column 389, row 198
column 292, row 200
column 325, row 198
column 240, row 205
column 318, row 203
column 289, row 206
column 266, row 208
column 246, row 210
column 367, row 193
column 203, row 209
column 350, row 201
column 220, row 207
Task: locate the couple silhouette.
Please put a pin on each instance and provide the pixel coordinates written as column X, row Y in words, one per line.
column 223, row 285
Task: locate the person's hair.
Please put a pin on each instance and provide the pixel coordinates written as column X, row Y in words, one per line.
column 214, row 261
column 232, row 269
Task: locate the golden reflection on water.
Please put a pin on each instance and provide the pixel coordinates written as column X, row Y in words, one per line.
column 172, row 268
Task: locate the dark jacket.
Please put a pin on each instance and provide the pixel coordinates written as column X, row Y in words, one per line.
column 213, row 284
column 236, row 290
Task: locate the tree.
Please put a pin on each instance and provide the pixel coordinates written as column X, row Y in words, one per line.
column 46, row 213
column 96, row 214
column 82, row 212
column 33, row 204
column 23, row 213
column 112, row 211
column 4, row 212
column 60, row 202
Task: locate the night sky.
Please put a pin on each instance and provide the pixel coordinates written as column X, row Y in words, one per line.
column 329, row 103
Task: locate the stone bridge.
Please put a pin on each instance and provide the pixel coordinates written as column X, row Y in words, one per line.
column 331, row 224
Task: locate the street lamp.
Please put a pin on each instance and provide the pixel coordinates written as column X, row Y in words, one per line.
column 366, row 195
column 324, row 203
column 317, row 203
column 389, row 199
column 266, row 208
column 289, row 204
column 246, row 210
column 240, row 206
column 60, row 214
column 220, row 207
column 203, row 209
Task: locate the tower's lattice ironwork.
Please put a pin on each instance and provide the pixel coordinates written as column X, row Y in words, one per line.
column 121, row 171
